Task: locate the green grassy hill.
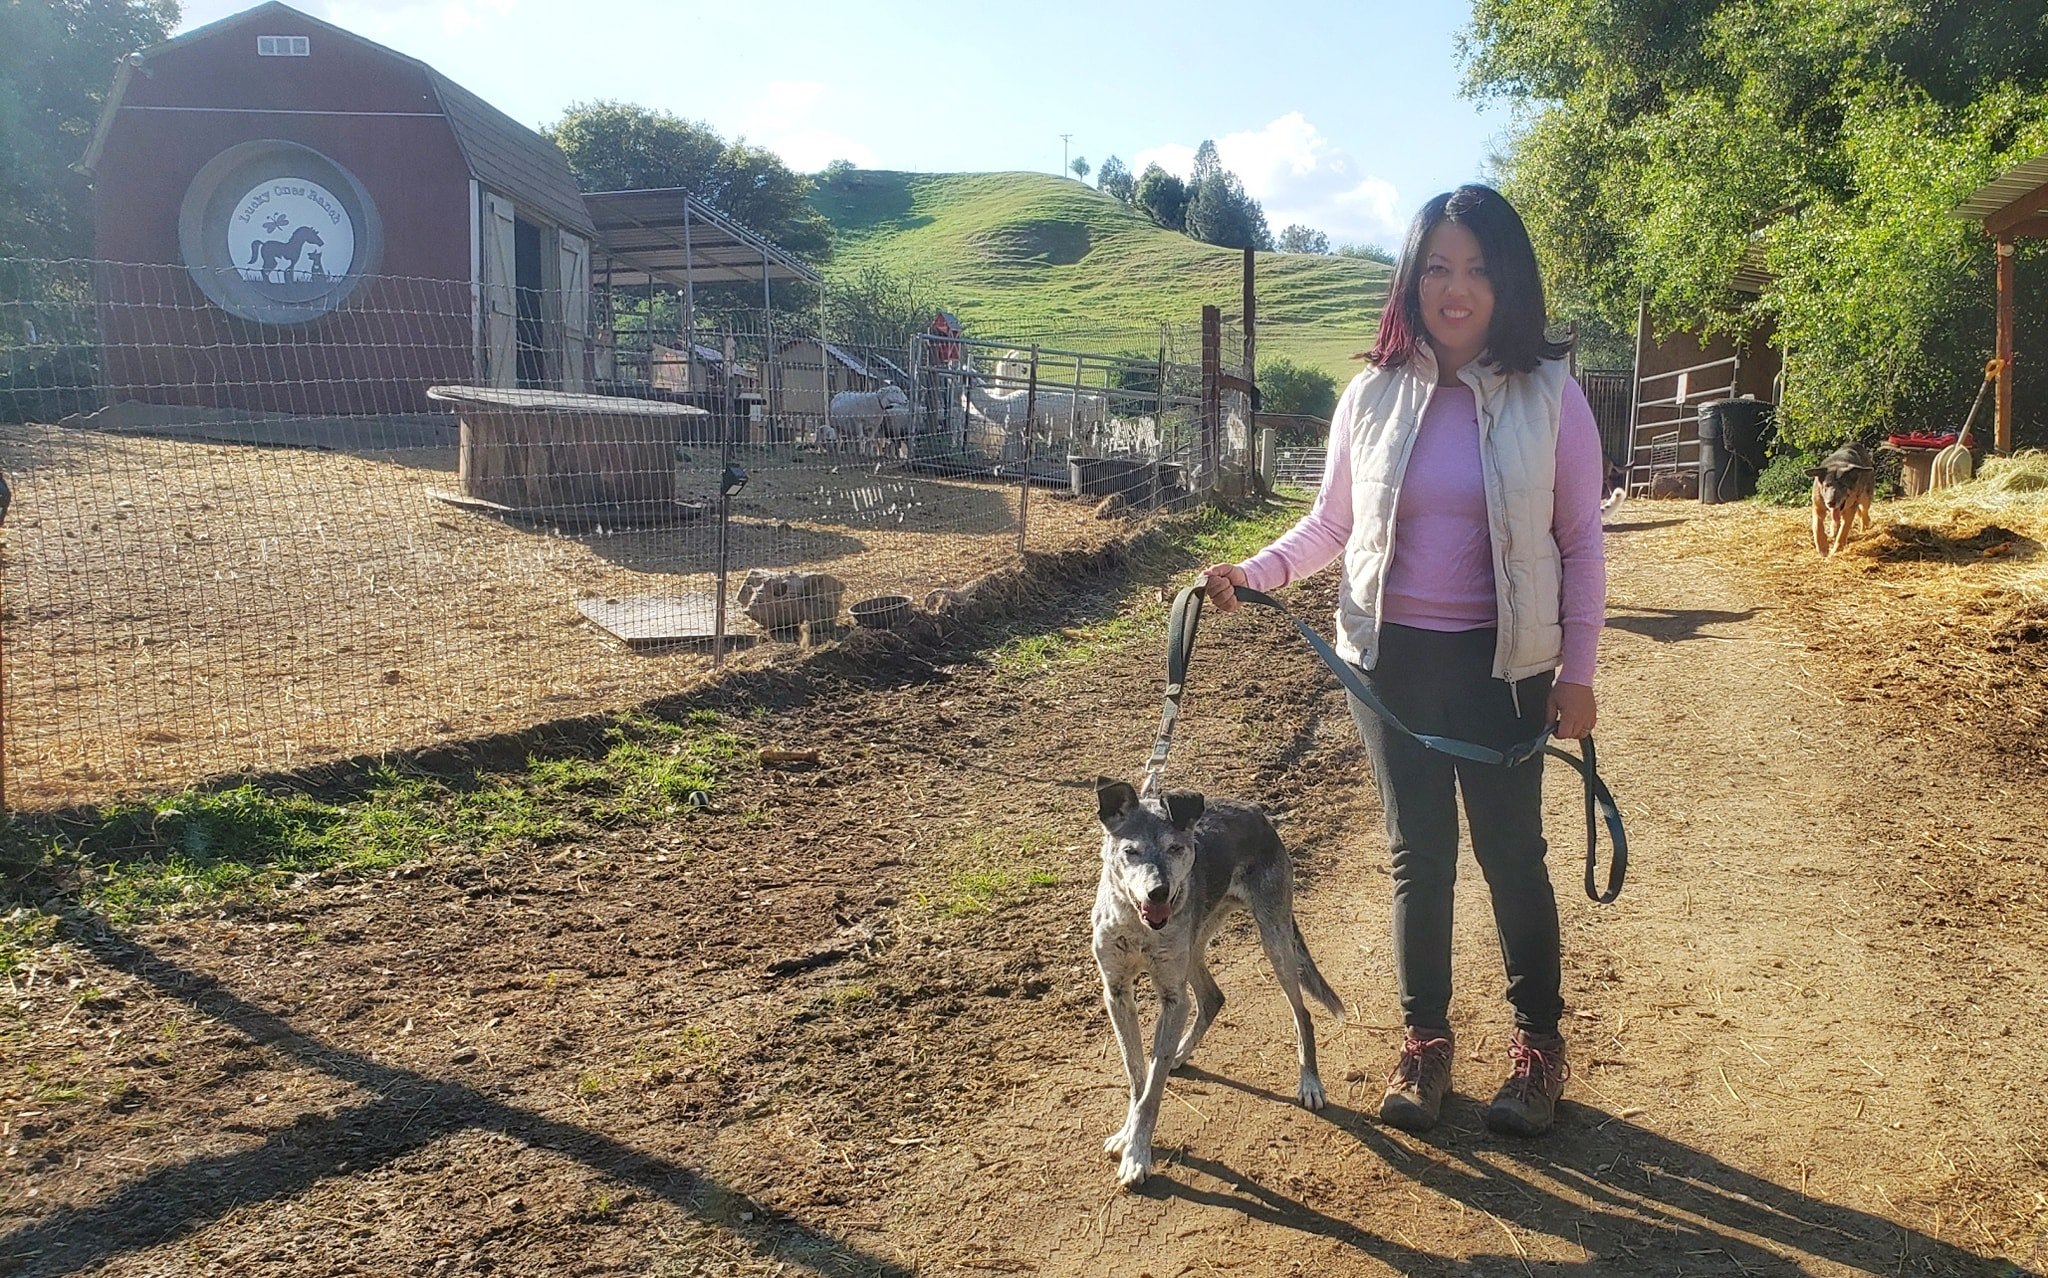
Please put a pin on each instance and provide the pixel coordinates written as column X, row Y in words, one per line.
column 1035, row 254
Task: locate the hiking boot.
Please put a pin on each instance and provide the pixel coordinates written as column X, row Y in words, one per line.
column 1415, row 1092
column 1537, row 1071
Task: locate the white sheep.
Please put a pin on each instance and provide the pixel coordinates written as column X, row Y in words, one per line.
column 870, row 422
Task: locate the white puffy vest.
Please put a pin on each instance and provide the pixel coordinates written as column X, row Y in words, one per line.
column 1518, row 425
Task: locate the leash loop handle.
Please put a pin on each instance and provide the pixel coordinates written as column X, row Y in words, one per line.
column 1601, row 808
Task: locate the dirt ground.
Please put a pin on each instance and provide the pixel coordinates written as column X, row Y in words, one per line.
column 847, row 1024
column 177, row 608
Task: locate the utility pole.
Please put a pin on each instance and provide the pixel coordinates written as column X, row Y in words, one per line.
column 1065, row 138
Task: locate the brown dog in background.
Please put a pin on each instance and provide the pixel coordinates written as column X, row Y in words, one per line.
column 1843, row 487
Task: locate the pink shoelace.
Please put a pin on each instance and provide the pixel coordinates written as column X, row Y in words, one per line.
column 1534, row 1067
column 1413, row 1050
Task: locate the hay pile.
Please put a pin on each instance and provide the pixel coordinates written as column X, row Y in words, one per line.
column 1937, row 618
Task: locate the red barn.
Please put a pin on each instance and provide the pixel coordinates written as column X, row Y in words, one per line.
column 307, row 222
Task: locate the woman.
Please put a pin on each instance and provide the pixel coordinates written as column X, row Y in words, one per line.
column 1462, row 492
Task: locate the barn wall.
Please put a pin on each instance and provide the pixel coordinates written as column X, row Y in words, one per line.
column 373, row 114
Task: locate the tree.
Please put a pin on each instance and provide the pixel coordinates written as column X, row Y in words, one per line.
column 1162, row 197
column 1207, row 164
column 56, row 65
column 1302, row 239
column 836, row 171
column 1366, row 252
column 1664, row 145
column 873, row 306
column 1080, row 168
column 1114, row 180
column 616, row 146
column 1219, row 212
column 1287, row 389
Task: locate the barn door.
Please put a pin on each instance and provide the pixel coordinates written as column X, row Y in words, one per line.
column 500, row 292
column 574, row 254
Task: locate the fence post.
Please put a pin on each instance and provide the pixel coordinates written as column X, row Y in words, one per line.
column 1212, row 395
column 6, row 499
column 1030, row 412
column 1159, row 403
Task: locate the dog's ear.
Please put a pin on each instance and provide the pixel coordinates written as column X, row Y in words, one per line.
column 1815, row 472
column 1183, row 808
column 1114, row 799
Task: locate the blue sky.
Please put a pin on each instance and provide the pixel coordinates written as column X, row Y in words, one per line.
column 1344, row 116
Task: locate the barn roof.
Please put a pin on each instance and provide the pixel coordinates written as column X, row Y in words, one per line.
column 502, row 153
column 2009, row 201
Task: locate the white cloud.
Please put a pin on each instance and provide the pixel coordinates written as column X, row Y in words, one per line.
column 1299, row 175
column 784, row 121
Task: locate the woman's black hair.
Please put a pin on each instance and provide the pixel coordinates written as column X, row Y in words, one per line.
column 1514, row 340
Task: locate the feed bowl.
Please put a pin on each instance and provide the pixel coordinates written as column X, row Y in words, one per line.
column 882, row 612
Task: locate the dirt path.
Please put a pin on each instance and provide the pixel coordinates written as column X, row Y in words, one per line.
column 855, row 1029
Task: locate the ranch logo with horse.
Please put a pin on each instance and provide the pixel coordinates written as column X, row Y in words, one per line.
column 290, row 230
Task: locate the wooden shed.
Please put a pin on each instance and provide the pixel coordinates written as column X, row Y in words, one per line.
column 804, row 368
column 342, row 221
column 2011, row 207
column 1676, row 373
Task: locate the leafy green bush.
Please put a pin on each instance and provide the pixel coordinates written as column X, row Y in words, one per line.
column 1784, row 481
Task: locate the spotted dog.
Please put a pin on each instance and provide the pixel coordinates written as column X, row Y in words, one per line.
column 1173, row 870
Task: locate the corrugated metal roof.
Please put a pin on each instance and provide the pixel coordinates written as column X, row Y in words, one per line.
column 672, row 236
column 502, row 153
column 1995, row 196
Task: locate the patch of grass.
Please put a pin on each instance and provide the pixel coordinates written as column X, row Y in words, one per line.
column 592, row 1085
column 1210, row 535
column 141, row 861
column 994, row 868
column 1215, row 535
column 22, row 932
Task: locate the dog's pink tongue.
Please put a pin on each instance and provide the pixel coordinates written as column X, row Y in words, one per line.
column 1155, row 915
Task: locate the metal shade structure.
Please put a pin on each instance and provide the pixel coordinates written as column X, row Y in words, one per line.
column 671, row 237
column 2011, row 206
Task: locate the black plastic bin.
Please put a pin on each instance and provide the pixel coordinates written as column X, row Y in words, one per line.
column 1733, row 434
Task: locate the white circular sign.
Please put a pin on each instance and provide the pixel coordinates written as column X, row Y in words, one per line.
column 290, row 230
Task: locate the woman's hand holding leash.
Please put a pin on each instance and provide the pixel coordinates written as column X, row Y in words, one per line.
column 1220, row 583
column 1573, row 710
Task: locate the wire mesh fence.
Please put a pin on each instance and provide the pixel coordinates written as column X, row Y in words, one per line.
column 346, row 527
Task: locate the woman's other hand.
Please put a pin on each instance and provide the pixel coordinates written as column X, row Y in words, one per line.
column 1223, row 581
column 1573, row 710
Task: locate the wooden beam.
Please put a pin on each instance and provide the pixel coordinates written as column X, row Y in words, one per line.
column 2000, row 225
column 2002, row 431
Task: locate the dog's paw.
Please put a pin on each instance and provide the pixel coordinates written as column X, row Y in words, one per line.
column 1136, row 1166
column 1119, row 1140
column 1311, row 1092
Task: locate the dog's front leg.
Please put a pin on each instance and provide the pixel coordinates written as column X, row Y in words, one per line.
column 1173, row 1017
column 1120, row 997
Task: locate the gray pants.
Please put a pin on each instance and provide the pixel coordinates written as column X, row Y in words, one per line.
column 1441, row 683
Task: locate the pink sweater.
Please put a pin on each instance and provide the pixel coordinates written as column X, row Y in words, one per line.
column 1442, row 574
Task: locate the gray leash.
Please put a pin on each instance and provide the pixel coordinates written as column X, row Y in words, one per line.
column 1600, row 805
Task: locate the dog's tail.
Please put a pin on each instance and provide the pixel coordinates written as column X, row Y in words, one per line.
column 1312, row 978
